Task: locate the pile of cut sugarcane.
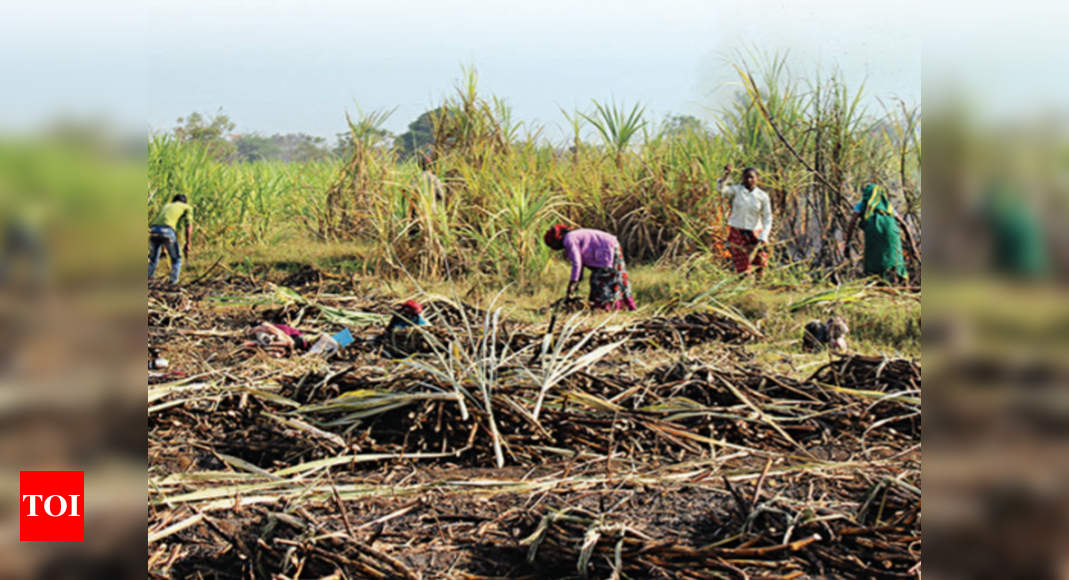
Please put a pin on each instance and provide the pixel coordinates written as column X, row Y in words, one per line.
column 460, row 458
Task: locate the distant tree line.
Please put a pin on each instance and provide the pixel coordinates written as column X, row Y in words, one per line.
column 216, row 133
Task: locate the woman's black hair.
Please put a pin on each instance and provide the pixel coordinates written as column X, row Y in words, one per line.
column 749, row 170
column 180, row 197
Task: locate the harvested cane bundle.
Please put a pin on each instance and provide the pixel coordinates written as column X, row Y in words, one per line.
column 438, row 465
column 873, row 373
column 686, row 331
column 404, row 342
column 448, row 313
column 809, row 525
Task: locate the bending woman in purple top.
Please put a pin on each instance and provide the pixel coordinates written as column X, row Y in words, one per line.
column 610, row 287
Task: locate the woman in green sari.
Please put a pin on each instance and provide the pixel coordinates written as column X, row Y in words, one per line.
column 883, row 240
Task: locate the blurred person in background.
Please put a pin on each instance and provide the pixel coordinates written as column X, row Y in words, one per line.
column 610, row 286
column 163, row 234
column 883, row 239
column 427, row 184
column 996, row 476
column 1017, row 244
column 429, row 179
column 72, row 379
column 750, row 220
column 23, row 238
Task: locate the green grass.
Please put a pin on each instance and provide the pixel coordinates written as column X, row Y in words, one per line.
column 80, row 198
column 881, row 323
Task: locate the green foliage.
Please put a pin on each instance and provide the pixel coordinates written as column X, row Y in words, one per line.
column 472, row 128
column 347, row 210
column 296, row 147
column 655, row 190
column 212, row 134
column 679, row 126
column 616, row 126
column 815, row 149
column 299, row 147
column 365, row 132
column 215, row 135
column 420, row 134
column 256, row 148
column 240, row 204
column 78, row 196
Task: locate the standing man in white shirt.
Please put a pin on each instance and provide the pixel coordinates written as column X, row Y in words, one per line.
column 750, row 221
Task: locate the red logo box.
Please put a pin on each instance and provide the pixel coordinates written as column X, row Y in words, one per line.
column 51, row 506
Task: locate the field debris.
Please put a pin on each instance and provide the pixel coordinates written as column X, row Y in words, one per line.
column 439, row 453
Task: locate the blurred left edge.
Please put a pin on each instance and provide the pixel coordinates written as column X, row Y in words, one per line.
column 72, row 380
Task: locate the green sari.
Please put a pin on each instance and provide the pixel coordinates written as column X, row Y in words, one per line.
column 883, row 240
column 1017, row 232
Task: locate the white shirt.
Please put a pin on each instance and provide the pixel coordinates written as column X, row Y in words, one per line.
column 750, row 210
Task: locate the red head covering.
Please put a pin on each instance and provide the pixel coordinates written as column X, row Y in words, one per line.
column 554, row 237
column 412, row 306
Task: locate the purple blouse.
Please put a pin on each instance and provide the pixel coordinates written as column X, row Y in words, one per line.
column 590, row 248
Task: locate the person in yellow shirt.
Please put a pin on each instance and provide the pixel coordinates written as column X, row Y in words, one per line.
column 162, row 234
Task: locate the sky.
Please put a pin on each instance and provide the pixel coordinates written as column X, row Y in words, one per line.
column 282, row 66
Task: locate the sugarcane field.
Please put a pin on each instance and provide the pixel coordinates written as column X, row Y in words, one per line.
column 653, row 351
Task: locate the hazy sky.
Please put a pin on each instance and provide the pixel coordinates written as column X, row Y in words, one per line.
column 299, row 65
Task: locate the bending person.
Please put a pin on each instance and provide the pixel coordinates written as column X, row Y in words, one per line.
column 162, row 234
column 610, row 287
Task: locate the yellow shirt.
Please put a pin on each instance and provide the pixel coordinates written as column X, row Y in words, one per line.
column 172, row 214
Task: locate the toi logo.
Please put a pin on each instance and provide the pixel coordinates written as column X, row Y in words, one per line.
column 51, row 506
